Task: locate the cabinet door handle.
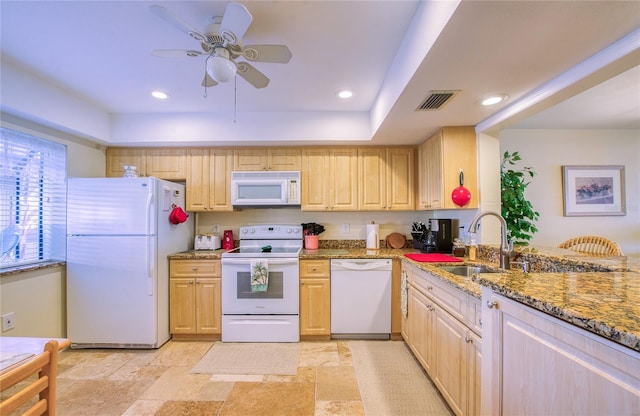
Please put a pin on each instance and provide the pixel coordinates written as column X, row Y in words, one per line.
column 197, row 281
column 492, row 304
column 480, row 321
column 429, row 287
column 194, row 268
column 190, row 282
column 468, row 340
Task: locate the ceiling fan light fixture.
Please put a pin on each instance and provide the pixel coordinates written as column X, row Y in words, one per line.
column 220, row 67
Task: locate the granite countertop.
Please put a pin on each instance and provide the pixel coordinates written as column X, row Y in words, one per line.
column 599, row 294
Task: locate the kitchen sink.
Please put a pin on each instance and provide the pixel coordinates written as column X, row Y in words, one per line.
column 467, row 271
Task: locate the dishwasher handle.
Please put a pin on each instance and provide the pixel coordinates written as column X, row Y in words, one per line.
column 360, row 264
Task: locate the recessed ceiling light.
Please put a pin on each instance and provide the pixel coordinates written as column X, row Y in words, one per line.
column 160, row 95
column 494, row 99
column 345, row 94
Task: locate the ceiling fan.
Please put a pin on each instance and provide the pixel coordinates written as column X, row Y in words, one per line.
column 221, row 43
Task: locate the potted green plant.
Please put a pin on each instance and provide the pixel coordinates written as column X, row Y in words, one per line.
column 516, row 209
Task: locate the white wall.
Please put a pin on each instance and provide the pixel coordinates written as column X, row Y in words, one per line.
column 547, row 150
column 38, row 297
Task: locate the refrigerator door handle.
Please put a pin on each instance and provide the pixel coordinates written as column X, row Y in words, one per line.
column 149, row 211
column 150, row 262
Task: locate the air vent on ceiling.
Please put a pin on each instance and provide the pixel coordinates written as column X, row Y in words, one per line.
column 437, row 99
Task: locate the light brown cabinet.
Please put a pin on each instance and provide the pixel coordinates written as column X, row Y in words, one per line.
column 437, row 330
column 440, row 159
column 386, row 179
column 329, row 179
column 315, row 299
column 195, row 299
column 209, row 180
column 537, row 364
column 276, row 158
column 164, row 163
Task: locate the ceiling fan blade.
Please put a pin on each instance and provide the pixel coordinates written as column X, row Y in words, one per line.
column 167, row 16
column 207, row 81
column 175, row 53
column 278, row 54
column 235, row 22
column 252, row 75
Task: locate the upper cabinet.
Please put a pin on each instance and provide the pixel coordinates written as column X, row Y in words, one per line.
column 386, row 179
column 209, row 180
column 276, row 158
column 329, row 179
column 165, row 163
column 440, row 159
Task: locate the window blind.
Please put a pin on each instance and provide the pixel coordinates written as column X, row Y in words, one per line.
column 33, row 188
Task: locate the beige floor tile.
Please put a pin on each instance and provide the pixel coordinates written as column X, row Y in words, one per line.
column 255, row 378
column 144, row 408
column 181, row 353
column 269, row 399
column 316, row 354
column 217, row 391
column 339, row 408
column 187, row 408
column 337, row 384
column 305, row 374
column 99, row 397
column 177, row 384
column 138, row 372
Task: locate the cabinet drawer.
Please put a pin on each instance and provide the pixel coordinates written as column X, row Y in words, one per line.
column 194, row 268
column 474, row 319
column 451, row 299
column 315, row 268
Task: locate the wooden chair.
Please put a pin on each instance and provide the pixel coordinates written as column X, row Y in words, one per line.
column 44, row 365
column 593, row 245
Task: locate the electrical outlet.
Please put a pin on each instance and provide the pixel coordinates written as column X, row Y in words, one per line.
column 8, row 321
column 345, row 228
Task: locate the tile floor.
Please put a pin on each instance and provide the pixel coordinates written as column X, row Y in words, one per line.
column 159, row 382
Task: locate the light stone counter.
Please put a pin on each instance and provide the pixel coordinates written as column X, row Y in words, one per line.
column 599, row 294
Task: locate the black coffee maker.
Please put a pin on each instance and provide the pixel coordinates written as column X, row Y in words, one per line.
column 438, row 237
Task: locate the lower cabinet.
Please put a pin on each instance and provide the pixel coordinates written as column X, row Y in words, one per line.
column 537, row 364
column 438, row 333
column 315, row 299
column 195, row 299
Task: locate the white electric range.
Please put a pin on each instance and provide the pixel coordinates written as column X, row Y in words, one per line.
column 251, row 313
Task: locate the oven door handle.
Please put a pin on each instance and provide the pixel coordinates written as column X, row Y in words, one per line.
column 269, row 261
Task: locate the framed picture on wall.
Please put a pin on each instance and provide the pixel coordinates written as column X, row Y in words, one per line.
column 593, row 190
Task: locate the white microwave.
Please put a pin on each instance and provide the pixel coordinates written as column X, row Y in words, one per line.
column 265, row 188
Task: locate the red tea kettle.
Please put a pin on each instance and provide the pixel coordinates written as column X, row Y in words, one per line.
column 461, row 195
column 227, row 240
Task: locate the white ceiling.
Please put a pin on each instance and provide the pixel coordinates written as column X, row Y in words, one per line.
column 390, row 53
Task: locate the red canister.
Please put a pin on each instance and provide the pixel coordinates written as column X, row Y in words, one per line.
column 227, row 240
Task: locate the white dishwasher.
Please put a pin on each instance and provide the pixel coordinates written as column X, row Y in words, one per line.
column 361, row 298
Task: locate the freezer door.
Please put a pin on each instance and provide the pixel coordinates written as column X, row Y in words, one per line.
column 112, row 290
column 111, row 206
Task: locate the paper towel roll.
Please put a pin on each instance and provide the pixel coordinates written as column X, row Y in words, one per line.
column 373, row 236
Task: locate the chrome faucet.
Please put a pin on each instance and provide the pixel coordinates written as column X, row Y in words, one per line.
column 505, row 250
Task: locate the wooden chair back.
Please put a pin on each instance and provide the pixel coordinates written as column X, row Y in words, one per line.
column 43, row 386
column 590, row 244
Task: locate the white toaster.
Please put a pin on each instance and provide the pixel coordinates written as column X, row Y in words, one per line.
column 207, row 242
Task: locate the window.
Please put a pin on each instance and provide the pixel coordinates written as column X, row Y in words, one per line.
column 32, row 199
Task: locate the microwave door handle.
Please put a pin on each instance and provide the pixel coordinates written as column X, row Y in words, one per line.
column 271, row 261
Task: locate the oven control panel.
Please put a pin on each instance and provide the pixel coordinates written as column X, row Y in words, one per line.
column 276, row 231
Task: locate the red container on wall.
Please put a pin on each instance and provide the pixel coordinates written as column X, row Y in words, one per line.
column 227, row 240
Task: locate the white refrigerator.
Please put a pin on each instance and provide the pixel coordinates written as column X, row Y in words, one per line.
column 118, row 239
